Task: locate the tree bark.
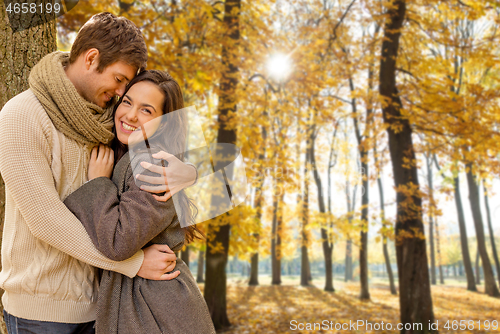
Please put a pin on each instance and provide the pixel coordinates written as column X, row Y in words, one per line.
column 464, row 242
column 414, row 286
column 351, row 204
column 492, row 234
column 327, row 245
column 185, row 255
column 438, row 244
column 384, row 238
column 19, row 52
column 490, row 286
column 305, row 265
column 431, row 219
column 478, row 271
column 201, row 264
column 276, row 238
column 216, row 280
column 363, row 154
column 259, row 199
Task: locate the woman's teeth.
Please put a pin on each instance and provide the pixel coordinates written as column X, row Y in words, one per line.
column 128, row 127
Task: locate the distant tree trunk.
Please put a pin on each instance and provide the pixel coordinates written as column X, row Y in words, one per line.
column 363, row 153
column 305, row 270
column 348, row 260
column 259, row 199
column 438, row 243
column 19, row 52
column 431, row 218
column 254, row 261
column 478, row 272
column 327, row 247
column 185, row 255
column 351, row 204
column 216, row 280
column 464, row 243
column 490, row 286
column 276, row 237
column 492, row 234
column 254, row 266
column 414, row 286
column 332, row 161
column 384, row 238
column 201, row 264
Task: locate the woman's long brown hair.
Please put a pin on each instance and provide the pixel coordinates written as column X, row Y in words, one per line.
column 174, row 132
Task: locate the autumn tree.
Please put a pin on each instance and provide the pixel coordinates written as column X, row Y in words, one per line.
column 215, row 286
column 414, row 286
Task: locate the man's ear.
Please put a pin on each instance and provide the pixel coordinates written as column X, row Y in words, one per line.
column 91, row 58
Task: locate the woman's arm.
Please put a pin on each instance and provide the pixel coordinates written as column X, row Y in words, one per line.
column 119, row 226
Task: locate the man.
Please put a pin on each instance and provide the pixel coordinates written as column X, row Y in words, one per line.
column 48, row 260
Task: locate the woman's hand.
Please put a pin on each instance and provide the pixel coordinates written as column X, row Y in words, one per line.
column 101, row 162
column 175, row 177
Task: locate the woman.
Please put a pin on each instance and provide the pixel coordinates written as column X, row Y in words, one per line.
column 121, row 219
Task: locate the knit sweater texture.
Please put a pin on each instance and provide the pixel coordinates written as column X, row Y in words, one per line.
column 48, row 258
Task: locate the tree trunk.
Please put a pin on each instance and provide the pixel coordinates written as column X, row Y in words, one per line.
column 478, row 272
column 276, row 238
column 185, row 255
column 464, row 242
column 384, row 238
column 438, row 243
column 259, row 199
column 431, row 218
column 20, row 50
column 305, row 270
column 326, row 243
column 254, row 266
column 414, row 286
column 490, row 286
column 363, row 247
column 216, row 280
column 492, row 234
column 201, row 264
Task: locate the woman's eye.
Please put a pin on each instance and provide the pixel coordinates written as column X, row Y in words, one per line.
column 126, row 102
column 147, row 111
column 118, row 80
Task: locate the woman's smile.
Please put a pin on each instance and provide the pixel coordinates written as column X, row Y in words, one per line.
column 142, row 103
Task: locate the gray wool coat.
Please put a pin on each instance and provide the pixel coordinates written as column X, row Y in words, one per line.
column 121, row 219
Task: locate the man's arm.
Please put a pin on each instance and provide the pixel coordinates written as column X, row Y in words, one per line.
column 25, row 167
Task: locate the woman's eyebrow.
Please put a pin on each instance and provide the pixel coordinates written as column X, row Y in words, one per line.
column 142, row 104
column 148, row 105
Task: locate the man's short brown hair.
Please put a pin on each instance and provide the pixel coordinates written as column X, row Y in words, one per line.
column 116, row 38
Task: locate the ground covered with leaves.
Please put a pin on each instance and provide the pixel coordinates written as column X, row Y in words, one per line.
column 286, row 308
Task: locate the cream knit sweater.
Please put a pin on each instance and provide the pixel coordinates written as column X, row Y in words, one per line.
column 48, row 258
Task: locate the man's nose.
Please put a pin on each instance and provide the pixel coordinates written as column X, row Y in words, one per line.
column 120, row 90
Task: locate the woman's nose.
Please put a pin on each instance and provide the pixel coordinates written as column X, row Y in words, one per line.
column 132, row 115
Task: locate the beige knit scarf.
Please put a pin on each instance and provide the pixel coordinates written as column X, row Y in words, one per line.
column 71, row 114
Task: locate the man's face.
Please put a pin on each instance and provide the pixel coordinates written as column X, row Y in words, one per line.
column 101, row 88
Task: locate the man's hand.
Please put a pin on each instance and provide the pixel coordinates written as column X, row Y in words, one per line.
column 158, row 260
column 175, row 177
column 101, row 162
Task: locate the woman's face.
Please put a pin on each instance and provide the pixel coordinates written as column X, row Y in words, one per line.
column 142, row 103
